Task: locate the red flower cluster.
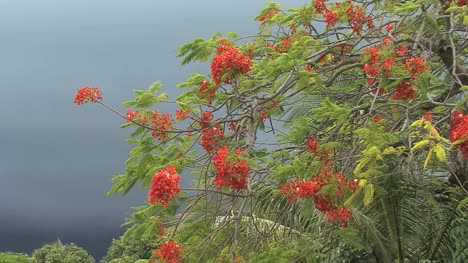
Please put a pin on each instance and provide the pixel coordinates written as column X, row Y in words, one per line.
column 320, row 6
column 459, row 132
column 387, row 41
column 233, row 171
column 402, row 51
column 460, row 2
column 313, row 145
column 265, row 112
column 183, row 114
column 331, row 17
column 340, row 216
column 161, row 124
column 284, row 47
column 415, row 66
column 208, row 91
column 268, row 16
column 387, row 65
column 404, row 91
column 310, row 190
column 378, row 118
column 428, row 116
column 164, row 186
column 389, row 27
column 210, row 135
column 206, row 120
column 372, row 69
column 356, row 18
column 131, row 115
column 170, row 252
column 229, row 60
column 87, row 94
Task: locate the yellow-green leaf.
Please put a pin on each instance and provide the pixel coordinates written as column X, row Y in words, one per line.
column 433, row 132
column 368, row 194
column 428, row 159
column 417, row 124
column 440, row 152
column 420, row 145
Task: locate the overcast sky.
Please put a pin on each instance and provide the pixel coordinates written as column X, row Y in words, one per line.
column 57, row 159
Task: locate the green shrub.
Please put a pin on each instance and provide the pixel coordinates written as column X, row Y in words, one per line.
column 131, row 247
column 9, row 257
column 58, row 253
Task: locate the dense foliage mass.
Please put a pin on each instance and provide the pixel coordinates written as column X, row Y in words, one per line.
column 58, row 253
column 338, row 133
column 9, row 257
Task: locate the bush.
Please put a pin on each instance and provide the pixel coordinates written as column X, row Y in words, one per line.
column 58, row 253
column 9, row 257
column 130, row 248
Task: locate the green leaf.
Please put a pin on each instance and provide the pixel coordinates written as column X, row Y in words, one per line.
column 368, row 194
column 428, row 159
column 419, row 145
column 439, row 150
column 407, row 8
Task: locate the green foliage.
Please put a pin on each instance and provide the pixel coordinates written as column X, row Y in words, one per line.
column 9, row 257
column 58, row 253
column 315, row 101
column 131, row 247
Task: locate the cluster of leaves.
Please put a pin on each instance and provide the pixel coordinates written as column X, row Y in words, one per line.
column 375, row 82
column 9, row 257
column 58, row 253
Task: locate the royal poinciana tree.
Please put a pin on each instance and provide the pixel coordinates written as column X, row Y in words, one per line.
column 338, row 133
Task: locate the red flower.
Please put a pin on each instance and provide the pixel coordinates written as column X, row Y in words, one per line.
column 404, row 91
column 232, row 170
column 415, row 66
column 340, row 216
column 165, row 186
column 389, row 27
column 428, row 116
column 87, row 94
column 291, row 190
column 131, row 115
column 313, row 145
column 160, row 125
column 320, row 6
column 356, row 18
column 229, row 60
column 206, row 120
column 183, row 114
column 387, row 65
column 265, row 112
column 170, row 252
column 208, row 91
column 378, row 118
column 268, row 16
column 402, row 51
column 161, row 231
column 211, row 137
column 387, row 41
column 285, row 46
column 309, row 189
column 331, row 17
column 459, row 132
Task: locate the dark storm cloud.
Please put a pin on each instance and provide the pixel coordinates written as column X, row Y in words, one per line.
column 57, row 159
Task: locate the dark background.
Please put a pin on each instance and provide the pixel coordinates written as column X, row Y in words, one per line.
column 57, row 159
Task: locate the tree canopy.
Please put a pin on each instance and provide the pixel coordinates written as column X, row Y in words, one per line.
column 338, row 133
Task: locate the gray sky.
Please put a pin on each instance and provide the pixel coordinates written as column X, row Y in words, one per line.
column 57, row 159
